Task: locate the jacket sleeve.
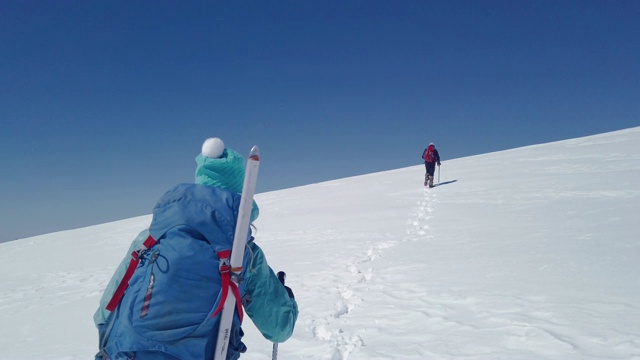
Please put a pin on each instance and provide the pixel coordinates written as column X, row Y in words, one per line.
column 266, row 300
column 101, row 313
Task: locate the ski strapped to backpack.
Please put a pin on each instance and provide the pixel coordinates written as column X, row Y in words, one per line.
column 237, row 253
column 225, row 275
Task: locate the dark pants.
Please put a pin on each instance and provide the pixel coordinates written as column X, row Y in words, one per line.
column 431, row 167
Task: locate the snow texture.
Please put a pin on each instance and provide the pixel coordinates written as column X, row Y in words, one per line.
column 531, row 253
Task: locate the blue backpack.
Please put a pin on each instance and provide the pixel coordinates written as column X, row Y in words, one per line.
column 168, row 304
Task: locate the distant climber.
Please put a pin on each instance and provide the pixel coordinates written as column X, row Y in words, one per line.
column 431, row 158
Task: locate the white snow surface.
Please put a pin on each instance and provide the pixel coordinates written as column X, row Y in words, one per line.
column 530, row 253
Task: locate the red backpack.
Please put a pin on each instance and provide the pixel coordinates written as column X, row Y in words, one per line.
column 429, row 154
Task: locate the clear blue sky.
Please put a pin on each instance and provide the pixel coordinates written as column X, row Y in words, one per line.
column 104, row 105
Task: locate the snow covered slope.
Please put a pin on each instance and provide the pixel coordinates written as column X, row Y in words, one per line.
column 531, row 253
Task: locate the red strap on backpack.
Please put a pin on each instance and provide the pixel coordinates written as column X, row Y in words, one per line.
column 133, row 264
column 225, row 275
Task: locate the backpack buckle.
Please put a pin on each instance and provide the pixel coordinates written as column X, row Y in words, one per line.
column 139, row 253
column 225, row 265
column 225, row 261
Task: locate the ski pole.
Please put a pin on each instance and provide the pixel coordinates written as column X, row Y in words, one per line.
column 438, row 174
column 274, row 353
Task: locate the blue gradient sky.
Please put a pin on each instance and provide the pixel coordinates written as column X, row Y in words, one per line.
column 104, row 105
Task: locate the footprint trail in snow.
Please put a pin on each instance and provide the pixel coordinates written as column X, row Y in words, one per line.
column 358, row 271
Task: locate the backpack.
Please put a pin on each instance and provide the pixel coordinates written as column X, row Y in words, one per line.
column 429, row 154
column 168, row 304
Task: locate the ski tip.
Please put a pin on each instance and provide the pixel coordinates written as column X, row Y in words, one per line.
column 254, row 154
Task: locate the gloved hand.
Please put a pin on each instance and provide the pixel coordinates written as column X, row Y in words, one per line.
column 438, row 164
column 281, row 277
column 290, row 292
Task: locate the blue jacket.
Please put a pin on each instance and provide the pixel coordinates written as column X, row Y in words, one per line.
column 191, row 223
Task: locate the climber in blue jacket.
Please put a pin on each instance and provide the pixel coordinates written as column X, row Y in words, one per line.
column 168, row 310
